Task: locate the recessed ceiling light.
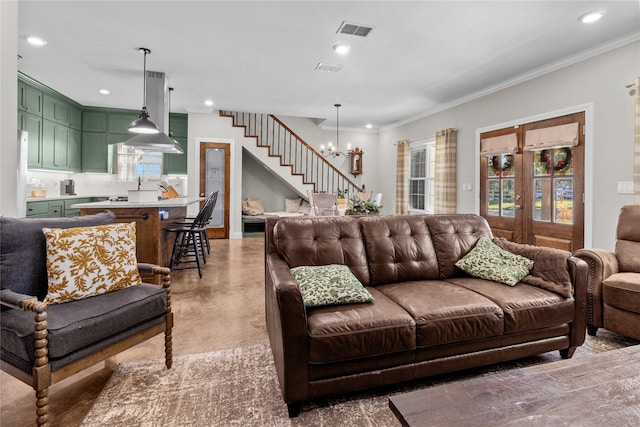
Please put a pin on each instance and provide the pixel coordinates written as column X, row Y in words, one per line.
column 208, row 103
column 369, row 126
column 591, row 17
column 342, row 49
column 104, row 91
column 36, row 41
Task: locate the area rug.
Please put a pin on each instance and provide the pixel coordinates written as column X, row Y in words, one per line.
column 239, row 387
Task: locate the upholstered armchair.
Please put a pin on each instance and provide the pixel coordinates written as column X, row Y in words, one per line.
column 44, row 340
column 613, row 287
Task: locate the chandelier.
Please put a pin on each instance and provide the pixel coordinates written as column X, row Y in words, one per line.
column 334, row 150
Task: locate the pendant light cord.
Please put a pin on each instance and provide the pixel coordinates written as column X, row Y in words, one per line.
column 144, row 78
column 337, row 128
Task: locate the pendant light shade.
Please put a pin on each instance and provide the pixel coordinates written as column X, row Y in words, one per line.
column 143, row 124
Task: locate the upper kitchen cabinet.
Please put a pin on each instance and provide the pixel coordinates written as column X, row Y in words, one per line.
column 29, row 98
column 32, row 124
column 75, row 118
column 176, row 164
column 94, row 152
column 119, row 121
column 56, row 110
column 94, row 120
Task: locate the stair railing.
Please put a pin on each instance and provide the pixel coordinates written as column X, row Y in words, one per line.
column 292, row 151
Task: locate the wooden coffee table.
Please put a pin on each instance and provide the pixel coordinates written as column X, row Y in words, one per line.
column 595, row 390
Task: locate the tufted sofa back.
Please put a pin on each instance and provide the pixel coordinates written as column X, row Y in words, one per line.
column 322, row 241
column 381, row 249
column 628, row 239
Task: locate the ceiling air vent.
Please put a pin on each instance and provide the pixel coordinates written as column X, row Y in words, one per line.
column 330, row 68
column 354, row 29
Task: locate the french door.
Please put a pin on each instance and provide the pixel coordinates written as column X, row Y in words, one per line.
column 215, row 176
column 532, row 182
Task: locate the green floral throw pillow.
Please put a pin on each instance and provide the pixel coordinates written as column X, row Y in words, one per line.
column 328, row 285
column 488, row 261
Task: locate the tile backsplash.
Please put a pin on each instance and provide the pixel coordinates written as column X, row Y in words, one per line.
column 94, row 184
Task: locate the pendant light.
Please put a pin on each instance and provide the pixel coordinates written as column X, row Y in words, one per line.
column 331, row 150
column 143, row 124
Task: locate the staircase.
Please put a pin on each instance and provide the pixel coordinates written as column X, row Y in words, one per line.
column 289, row 156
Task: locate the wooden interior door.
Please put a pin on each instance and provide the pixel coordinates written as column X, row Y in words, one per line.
column 536, row 197
column 215, row 161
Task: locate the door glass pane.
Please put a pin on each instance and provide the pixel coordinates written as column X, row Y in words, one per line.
column 215, row 182
column 493, row 197
column 508, row 197
column 564, row 200
column 542, row 199
column 541, row 162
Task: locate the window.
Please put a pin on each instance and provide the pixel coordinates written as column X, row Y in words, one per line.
column 134, row 164
column 422, row 156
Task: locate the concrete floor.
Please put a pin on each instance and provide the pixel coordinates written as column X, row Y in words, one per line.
column 224, row 309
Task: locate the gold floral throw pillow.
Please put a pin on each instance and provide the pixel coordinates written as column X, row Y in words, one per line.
column 87, row 261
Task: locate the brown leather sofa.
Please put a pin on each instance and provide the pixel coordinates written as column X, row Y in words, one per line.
column 613, row 286
column 428, row 317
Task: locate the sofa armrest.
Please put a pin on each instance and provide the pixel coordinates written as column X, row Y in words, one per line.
column 287, row 329
column 578, row 270
column 602, row 264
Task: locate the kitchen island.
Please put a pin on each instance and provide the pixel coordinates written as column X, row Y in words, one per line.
column 153, row 242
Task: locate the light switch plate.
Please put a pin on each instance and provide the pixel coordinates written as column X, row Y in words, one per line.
column 625, row 187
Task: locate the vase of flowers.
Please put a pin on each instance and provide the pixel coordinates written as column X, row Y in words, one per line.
column 342, row 198
column 362, row 207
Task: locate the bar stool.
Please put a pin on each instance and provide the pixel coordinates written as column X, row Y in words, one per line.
column 191, row 243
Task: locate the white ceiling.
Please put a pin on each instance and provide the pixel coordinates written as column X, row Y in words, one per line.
column 260, row 56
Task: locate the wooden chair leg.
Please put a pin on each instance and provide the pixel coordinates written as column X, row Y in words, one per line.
column 42, row 407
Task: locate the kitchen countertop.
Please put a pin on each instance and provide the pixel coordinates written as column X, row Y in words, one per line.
column 61, row 197
column 162, row 203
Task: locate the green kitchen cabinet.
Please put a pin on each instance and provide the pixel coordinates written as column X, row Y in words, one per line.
column 94, row 121
column 55, row 109
column 178, row 124
column 176, row 164
column 55, row 146
column 94, row 152
column 119, row 122
column 44, row 209
column 33, row 125
column 75, row 118
column 75, row 150
column 116, row 138
column 29, row 98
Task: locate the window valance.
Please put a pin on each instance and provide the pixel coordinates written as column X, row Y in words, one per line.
column 552, row 137
column 503, row 144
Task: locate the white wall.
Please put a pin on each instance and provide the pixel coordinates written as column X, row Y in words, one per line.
column 8, row 112
column 213, row 128
column 261, row 183
column 599, row 81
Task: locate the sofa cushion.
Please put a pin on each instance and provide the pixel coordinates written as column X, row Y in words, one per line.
column 444, row 312
column 346, row 332
column 79, row 324
column 453, row 236
column 322, row 241
column 329, row 285
column 488, row 261
column 525, row 307
column 88, row 261
column 399, row 249
column 23, row 256
column 622, row 290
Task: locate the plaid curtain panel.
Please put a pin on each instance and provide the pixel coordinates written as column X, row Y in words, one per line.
column 445, row 174
column 402, row 178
